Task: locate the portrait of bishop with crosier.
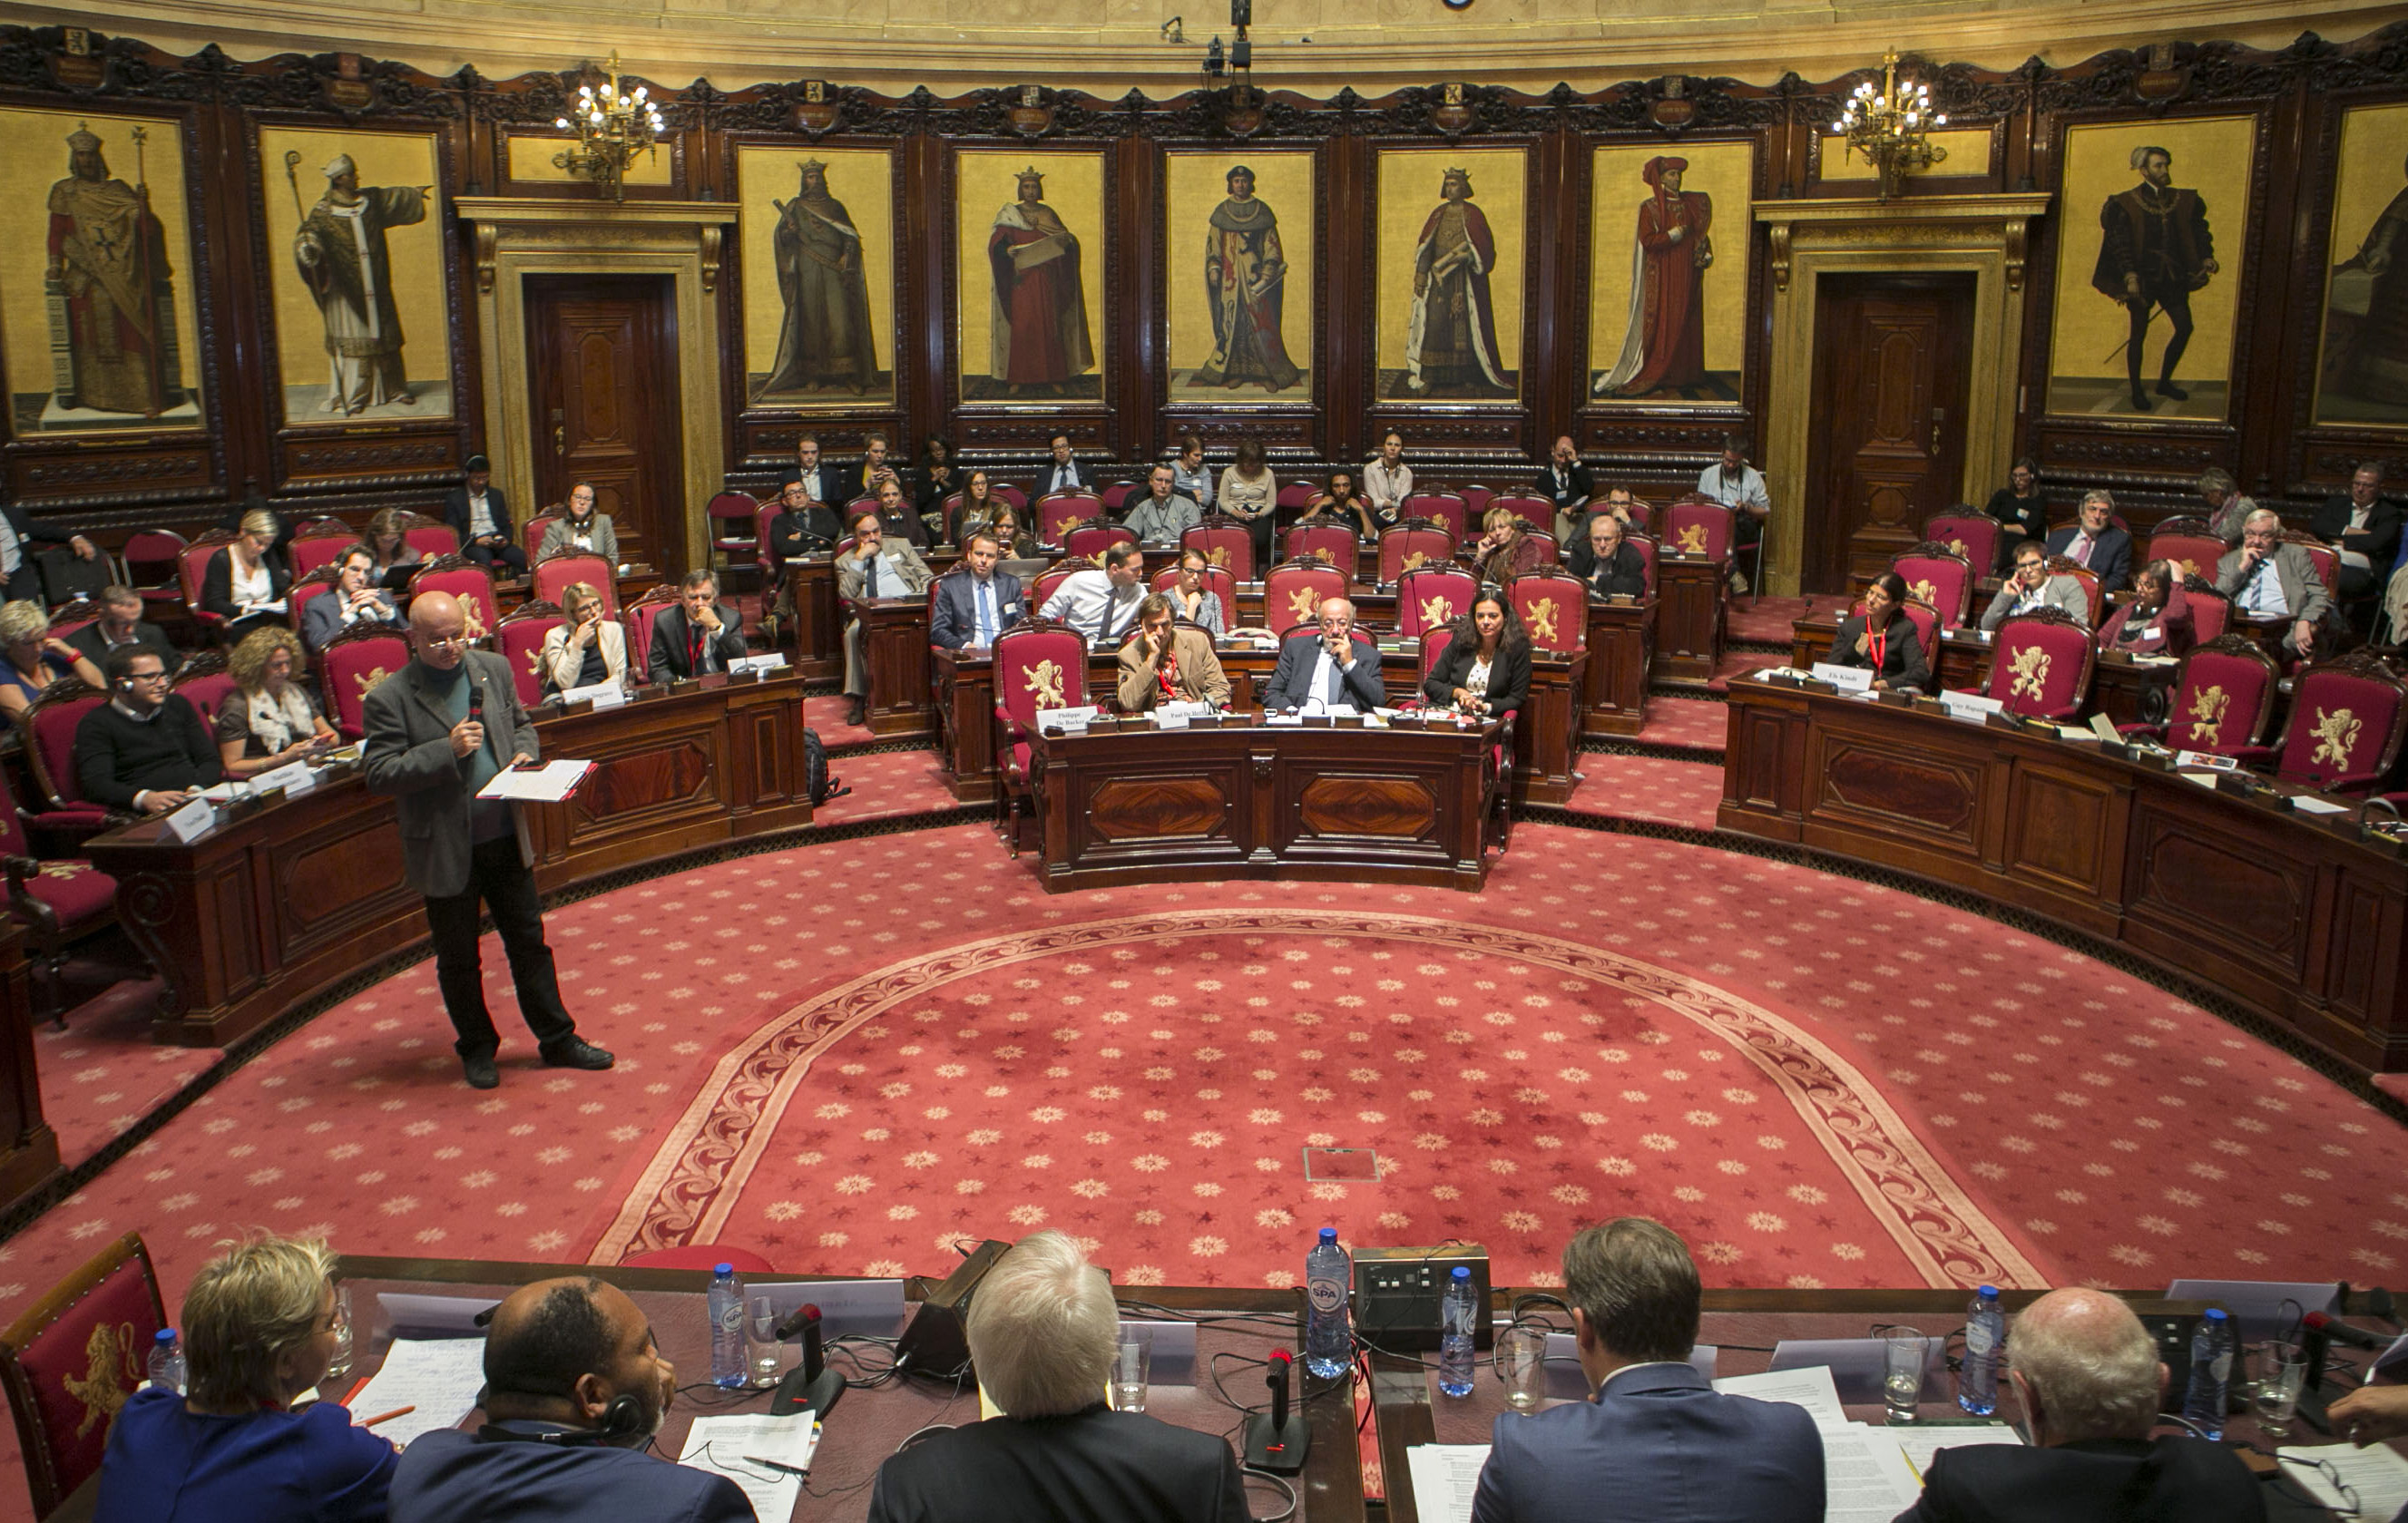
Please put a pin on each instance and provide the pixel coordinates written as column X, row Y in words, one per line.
column 1039, row 341
column 1245, row 280
column 343, row 259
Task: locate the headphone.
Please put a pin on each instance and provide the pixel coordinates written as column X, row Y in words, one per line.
column 623, row 1423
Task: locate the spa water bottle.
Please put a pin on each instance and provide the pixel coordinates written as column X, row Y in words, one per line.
column 2210, row 1374
column 1985, row 1331
column 166, row 1367
column 1457, row 1327
column 727, row 1329
column 1328, row 1336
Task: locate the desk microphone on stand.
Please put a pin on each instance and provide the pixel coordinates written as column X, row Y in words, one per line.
column 810, row 1384
column 1277, row 1441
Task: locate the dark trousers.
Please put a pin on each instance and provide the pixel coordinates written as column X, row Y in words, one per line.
column 506, row 885
column 487, row 555
column 2176, row 304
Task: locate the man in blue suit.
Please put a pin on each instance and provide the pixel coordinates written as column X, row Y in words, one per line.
column 1656, row 1444
column 2097, row 543
column 975, row 602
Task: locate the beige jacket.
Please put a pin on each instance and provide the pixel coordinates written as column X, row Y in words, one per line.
column 1200, row 672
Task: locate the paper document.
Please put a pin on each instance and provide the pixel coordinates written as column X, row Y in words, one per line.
column 1445, row 1476
column 546, row 784
column 1866, row 1478
column 2379, row 1477
column 2310, row 804
column 748, row 1449
column 1920, row 1443
column 1810, row 1387
column 440, row 1376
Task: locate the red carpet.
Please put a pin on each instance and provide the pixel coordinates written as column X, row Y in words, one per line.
column 1653, row 789
column 1687, row 723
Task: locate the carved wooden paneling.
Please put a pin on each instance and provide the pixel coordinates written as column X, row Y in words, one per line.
column 1158, row 808
column 650, row 781
column 1867, row 780
column 2059, row 825
column 325, row 889
column 2240, row 892
column 1397, row 806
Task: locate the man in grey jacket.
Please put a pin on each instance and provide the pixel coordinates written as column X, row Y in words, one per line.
column 2266, row 578
column 2030, row 586
column 437, row 731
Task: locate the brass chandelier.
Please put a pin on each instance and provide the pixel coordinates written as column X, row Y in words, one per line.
column 1892, row 128
column 612, row 126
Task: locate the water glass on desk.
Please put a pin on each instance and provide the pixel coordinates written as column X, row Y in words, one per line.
column 1132, row 1363
column 1521, row 1361
column 2282, row 1371
column 762, row 1350
column 1902, row 1375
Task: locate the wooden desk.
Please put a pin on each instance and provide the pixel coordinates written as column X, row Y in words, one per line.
column 1621, row 654
column 276, row 903
column 1689, row 618
column 1125, row 803
column 895, row 646
column 2120, row 688
column 818, row 634
column 2297, row 919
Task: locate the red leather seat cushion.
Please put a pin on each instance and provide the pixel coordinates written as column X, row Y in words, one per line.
column 73, row 896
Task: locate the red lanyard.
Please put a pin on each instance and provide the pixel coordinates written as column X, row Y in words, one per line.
column 1880, row 646
column 1168, row 673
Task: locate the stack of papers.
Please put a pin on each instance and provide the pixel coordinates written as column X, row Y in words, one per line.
column 2379, row 1477
column 441, row 1377
column 547, row 784
column 766, row 1456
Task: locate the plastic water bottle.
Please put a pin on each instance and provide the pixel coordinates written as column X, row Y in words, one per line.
column 2210, row 1373
column 727, row 1329
column 1328, row 1336
column 1457, row 1325
column 166, row 1366
column 1985, row 1333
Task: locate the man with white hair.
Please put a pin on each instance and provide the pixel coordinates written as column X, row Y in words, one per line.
column 1042, row 1335
column 2087, row 1376
column 2268, row 579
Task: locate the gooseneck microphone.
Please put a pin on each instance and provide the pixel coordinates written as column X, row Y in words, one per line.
column 1277, row 1378
column 2341, row 1333
column 810, row 1384
column 1277, row 1441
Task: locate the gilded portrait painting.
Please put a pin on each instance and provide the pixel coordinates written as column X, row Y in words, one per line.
column 1239, row 243
column 1030, row 235
column 1452, row 249
column 2364, row 375
column 1668, row 273
column 819, row 275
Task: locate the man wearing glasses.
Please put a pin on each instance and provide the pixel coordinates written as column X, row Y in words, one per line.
column 439, row 730
column 145, row 750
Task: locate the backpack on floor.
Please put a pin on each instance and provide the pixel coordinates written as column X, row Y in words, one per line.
column 816, row 781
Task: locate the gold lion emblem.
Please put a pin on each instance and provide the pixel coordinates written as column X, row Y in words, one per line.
column 2190, row 568
column 1924, row 593
column 2206, row 715
column 1217, row 556
column 369, row 678
column 1302, row 604
column 1692, row 540
column 1097, row 559
column 109, row 1374
column 534, row 662
column 1045, row 682
column 1437, row 611
column 2031, row 670
column 1542, row 619
column 1416, row 560
column 1958, row 546
column 2336, row 735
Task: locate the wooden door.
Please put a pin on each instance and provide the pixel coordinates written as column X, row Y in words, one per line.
column 1887, row 429
column 603, row 356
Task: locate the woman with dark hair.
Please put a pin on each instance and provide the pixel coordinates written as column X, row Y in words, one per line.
column 1189, row 476
column 2020, row 509
column 933, row 480
column 1250, row 493
column 1340, row 504
column 2158, row 619
column 1486, row 667
column 396, row 558
column 1883, row 638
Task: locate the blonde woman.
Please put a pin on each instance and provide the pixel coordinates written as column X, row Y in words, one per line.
column 269, row 718
column 1506, row 549
column 246, row 582
column 587, row 647
column 31, row 660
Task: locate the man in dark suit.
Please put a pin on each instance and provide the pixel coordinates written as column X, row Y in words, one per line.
column 477, row 513
column 121, row 622
column 575, row 1388
column 803, row 524
column 824, row 483
column 697, row 635
column 1611, row 567
column 974, row 601
column 1061, row 473
column 2362, row 524
column 439, row 730
column 2096, row 542
column 1657, row 1443
column 1043, row 1332
column 2088, row 1375
column 19, row 536
column 1327, row 666
column 1566, row 483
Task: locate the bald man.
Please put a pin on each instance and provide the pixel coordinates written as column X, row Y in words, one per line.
column 575, row 1388
column 2087, row 1375
column 438, row 729
column 1326, row 666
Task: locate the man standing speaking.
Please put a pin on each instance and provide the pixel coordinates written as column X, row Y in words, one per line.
column 438, row 729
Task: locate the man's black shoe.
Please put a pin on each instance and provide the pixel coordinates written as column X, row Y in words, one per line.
column 2167, row 388
column 575, row 1053
column 478, row 1067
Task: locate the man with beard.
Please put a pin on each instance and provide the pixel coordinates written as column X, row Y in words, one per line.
column 826, row 339
column 108, row 267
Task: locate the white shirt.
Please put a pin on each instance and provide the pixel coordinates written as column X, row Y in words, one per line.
column 1476, row 680
column 1090, row 604
column 1386, row 488
column 481, row 517
column 984, row 609
column 1743, row 488
column 2261, row 592
column 249, row 589
column 12, row 550
column 1062, row 477
column 1325, row 675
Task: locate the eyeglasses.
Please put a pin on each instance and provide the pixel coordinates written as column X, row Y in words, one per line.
column 146, row 676
column 449, row 642
column 2350, row 1505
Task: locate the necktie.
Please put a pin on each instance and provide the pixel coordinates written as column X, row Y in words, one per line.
column 1337, row 694
column 869, row 562
column 985, row 614
column 1113, row 615
column 2081, row 549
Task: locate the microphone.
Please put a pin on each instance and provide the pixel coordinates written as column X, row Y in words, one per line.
column 2341, row 1333
column 1277, row 1442
column 1277, row 1379
column 810, row 1384
column 476, row 703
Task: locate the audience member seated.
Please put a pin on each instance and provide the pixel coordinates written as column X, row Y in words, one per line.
column 1042, row 1331
column 874, row 565
column 2158, row 619
column 975, row 602
column 2226, row 508
column 1611, row 567
column 1340, row 506
column 2030, row 586
column 575, row 1388
column 477, row 513
column 1251, row 493
column 694, row 635
column 245, row 583
column 31, row 660
column 1883, row 640
column 396, row 558
column 1387, row 480
column 356, row 599
column 145, row 750
column 1656, row 1444
column 803, row 524
column 1506, row 549
column 874, row 471
column 934, row 479
column 1740, row 487
column 259, row 1328
column 2095, row 543
column 1191, row 600
column 1062, row 472
column 2085, row 1372
column 585, row 647
column 2365, row 526
column 2021, row 509
column 1169, row 661
column 1320, row 669
column 581, row 529
column 1190, row 474
column 1100, row 601
column 1486, row 667
column 1161, row 516
column 976, row 511
column 1566, row 483
column 895, row 520
column 823, row 482
column 19, row 577
column 2268, row 579
column 1017, row 543
column 121, row 622
column 269, row 718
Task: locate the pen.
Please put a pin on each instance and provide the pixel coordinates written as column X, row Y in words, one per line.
column 387, row 1417
column 777, row 1465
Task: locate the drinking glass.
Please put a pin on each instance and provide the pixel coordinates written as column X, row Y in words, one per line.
column 762, row 1350
column 341, row 1364
column 1131, row 1363
column 1902, row 1377
column 1521, row 1362
column 2282, row 1371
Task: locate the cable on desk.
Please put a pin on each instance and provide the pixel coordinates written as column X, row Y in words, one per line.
column 1247, row 1473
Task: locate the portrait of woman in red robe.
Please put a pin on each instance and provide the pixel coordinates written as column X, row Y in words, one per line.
column 1664, row 348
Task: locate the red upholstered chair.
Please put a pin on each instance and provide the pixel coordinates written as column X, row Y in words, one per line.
column 1973, row 536
column 152, row 561
column 1293, row 593
column 855, row 508
column 2327, row 560
column 1089, row 541
column 2223, row 699
column 1325, row 542
column 1642, row 511
column 1225, row 542
column 1050, row 580
column 1217, row 581
column 307, row 589
column 532, row 532
column 1439, row 507
column 1428, row 596
column 318, row 546
column 67, row 618
column 1550, row 553
column 1554, row 607
column 703, row 1256
column 1938, row 575
column 192, row 564
column 471, row 583
column 519, row 640
column 1694, row 527
column 2042, row 666
column 1434, row 641
column 1477, row 499
column 431, row 538
column 59, row 902
column 553, row 576
column 1117, row 494
column 353, row 663
column 1411, row 547
column 2211, row 611
column 2066, row 566
column 1009, row 493
column 773, row 571
column 1060, row 512
column 1297, row 494
column 2189, row 544
column 68, row 1364
column 637, row 617
column 47, row 727
column 2347, row 716
column 1926, row 620
column 1537, row 512
column 734, row 527
column 203, row 682
column 1039, row 664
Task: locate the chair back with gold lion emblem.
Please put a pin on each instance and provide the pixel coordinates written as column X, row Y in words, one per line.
column 1441, row 508
column 353, row 663
column 2347, row 715
column 1216, row 580
column 1973, row 536
column 1225, row 542
column 1059, row 513
column 520, row 640
column 1409, row 548
column 1937, row 576
column 1926, row 619
column 1039, row 664
column 2223, row 698
column 2188, row 543
column 2041, row 664
column 553, row 575
column 471, row 583
column 68, row 1364
column 1427, row 597
column 1698, row 527
column 1294, row 592
column 1090, row 540
column 1325, row 542
column 1554, row 608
